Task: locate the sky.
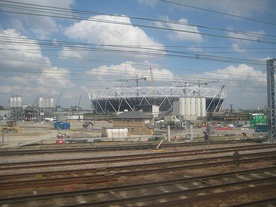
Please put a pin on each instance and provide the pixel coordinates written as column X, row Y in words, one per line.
column 66, row 48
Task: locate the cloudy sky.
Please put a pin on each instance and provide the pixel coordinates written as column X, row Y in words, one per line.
column 70, row 47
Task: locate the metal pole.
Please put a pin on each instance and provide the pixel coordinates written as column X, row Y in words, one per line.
column 271, row 100
column 191, row 133
column 3, row 138
column 169, row 133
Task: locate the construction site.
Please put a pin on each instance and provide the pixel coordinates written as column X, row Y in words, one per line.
column 185, row 111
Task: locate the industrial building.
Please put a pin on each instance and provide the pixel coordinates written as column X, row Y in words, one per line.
column 42, row 108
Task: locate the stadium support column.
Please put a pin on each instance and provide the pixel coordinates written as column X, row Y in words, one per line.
column 270, row 65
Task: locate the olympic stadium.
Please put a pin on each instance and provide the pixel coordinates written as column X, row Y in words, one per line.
column 117, row 99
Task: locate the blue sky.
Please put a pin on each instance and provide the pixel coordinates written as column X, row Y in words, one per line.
column 74, row 46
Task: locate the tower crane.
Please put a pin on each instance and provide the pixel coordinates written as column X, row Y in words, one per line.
column 198, row 83
column 59, row 99
column 152, row 82
column 136, row 79
column 79, row 104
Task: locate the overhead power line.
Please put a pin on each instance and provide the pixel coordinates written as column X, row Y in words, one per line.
column 58, row 12
column 218, row 12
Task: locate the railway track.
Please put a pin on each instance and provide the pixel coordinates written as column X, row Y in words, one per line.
column 97, row 148
column 216, row 188
column 107, row 174
column 123, row 158
column 179, row 176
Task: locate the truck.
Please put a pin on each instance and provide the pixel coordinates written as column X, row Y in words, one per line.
column 10, row 126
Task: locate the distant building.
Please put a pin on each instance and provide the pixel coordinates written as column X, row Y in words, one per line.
column 88, row 126
column 137, row 123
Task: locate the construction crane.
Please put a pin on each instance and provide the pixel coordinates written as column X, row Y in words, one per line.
column 198, row 83
column 136, row 79
column 59, row 99
column 79, row 103
column 137, row 82
column 152, row 81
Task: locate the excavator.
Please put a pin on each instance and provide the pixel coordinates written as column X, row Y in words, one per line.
column 10, row 126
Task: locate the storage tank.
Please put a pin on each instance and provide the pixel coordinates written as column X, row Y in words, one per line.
column 187, row 107
column 203, row 106
column 47, row 102
column 192, row 106
column 19, row 102
column 16, row 102
column 11, row 102
column 41, row 102
column 52, row 103
column 198, row 107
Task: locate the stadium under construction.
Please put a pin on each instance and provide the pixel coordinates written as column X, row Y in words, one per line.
column 193, row 100
column 190, row 102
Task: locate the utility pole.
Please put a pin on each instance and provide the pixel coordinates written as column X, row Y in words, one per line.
column 270, row 66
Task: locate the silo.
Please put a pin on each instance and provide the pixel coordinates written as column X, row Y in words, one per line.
column 181, row 106
column 203, row 106
column 188, row 106
column 184, row 104
column 193, row 106
column 47, row 102
column 41, row 102
column 19, row 102
column 11, row 102
column 198, row 107
column 16, row 102
column 52, row 103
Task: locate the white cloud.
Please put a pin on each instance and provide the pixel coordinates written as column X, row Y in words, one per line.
column 110, row 30
column 245, row 87
column 24, row 71
column 19, row 53
column 55, row 76
column 42, row 25
column 238, row 49
column 114, row 34
column 241, row 39
column 183, row 31
column 118, row 74
column 245, row 36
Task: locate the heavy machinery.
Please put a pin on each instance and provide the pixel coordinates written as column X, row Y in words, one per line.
column 10, row 126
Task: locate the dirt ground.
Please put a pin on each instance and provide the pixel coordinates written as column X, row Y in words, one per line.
column 44, row 131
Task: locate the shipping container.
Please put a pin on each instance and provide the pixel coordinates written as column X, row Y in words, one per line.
column 62, row 125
